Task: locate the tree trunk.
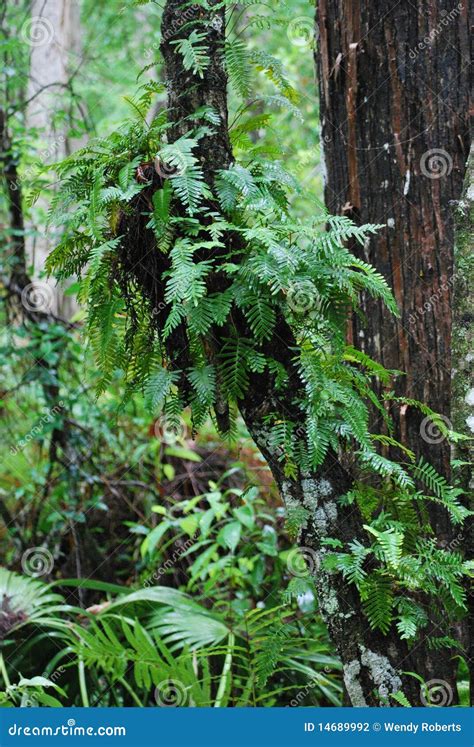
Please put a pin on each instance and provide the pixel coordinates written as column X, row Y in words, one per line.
column 463, row 324
column 54, row 33
column 374, row 664
column 463, row 361
column 394, row 102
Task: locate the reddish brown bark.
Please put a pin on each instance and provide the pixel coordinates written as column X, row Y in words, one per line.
column 389, row 101
column 394, row 99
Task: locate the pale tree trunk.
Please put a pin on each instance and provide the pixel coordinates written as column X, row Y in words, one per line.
column 374, row 665
column 54, row 36
column 394, row 102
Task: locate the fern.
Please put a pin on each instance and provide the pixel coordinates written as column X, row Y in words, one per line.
column 158, row 388
column 238, row 67
column 216, row 266
column 378, row 601
column 232, row 367
column 194, row 52
column 389, row 543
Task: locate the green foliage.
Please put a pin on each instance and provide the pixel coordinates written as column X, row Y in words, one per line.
column 233, row 643
column 401, row 571
column 193, row 52
column 300, row 271
column 377, row 601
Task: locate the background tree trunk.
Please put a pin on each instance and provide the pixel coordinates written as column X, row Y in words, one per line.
column 54, row 34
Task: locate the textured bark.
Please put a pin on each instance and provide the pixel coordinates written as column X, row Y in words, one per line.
column 186, row 92
column 389, row 97
column 373, row 663
column 394, row 101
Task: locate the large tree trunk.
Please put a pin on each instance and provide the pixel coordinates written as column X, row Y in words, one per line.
column 374, row 664
column 394, row 113
column 394, row 102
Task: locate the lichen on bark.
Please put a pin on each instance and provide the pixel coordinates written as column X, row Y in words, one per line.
column 463, row 320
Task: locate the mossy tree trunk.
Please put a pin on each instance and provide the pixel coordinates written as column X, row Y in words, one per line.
column 374, row 665
column 462, row 409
